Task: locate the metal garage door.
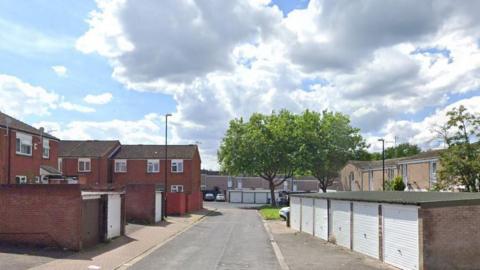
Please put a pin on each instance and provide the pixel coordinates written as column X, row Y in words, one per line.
column 235, row 196
column 295, row 212
column 307, row 215
column 321, row 219
column 400, row 234
column 248, row 197
column 158, row 206
column 341, row 222
column 365, row 229
column 261, row 197
column 90, row 223
column 114, row 216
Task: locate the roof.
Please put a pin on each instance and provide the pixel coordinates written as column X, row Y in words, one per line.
column 7, row 120
column 91, row 148
column 50, row 170
column 142, row 151
column 400, row 197
column 394, row 161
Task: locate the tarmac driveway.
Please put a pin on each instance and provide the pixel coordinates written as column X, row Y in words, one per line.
column 21, row 258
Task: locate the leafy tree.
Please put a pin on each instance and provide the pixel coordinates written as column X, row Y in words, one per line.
column 460, row 163
column 396, row 184
column 266, row 146
column 327, row 143
column 402, row 150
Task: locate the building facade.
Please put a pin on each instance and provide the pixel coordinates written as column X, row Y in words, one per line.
column 27, row 154
column 419, row 172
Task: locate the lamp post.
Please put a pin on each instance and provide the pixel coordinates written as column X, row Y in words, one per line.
column 166, row 166
column 383, row 162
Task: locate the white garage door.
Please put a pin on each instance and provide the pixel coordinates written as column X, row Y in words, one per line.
column 321, row 219
column 341, row 222
column 261, row 197
column 248, row 197
column 113, row 216
column 295, row 209
column 235, row 196
column 158, row 206
column 365, row 228
column 307, row 215
column 400, row 229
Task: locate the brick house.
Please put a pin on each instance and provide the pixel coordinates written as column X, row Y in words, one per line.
column 27, row 154
column 88, row 162
column 419, row 172
column 145, row 164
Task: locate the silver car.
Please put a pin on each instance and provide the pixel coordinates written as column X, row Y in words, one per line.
column 220, row 197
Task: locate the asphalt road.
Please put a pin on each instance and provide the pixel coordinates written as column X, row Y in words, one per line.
column 232, row 238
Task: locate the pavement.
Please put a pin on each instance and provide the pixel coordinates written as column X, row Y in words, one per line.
column 232, row 237
column 118, row 253
column 302, row 251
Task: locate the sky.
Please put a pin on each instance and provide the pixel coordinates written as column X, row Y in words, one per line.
column 112, row 69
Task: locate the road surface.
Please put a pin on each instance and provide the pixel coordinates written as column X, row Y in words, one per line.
column 231, row 238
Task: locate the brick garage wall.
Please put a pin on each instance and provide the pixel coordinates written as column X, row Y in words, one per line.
column 140, row 203
column 3, row 156
column 44, row 215
column 176, row 203
column 194, row 201
column 451, row 237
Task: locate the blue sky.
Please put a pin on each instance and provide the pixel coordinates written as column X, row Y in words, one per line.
column 394, row 78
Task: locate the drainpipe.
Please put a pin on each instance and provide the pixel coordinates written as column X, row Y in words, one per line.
column 8, row 153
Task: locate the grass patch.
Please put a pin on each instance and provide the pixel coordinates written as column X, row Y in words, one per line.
column 270, row 213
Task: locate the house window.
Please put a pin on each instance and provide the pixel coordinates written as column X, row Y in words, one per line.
column 24, row 144
column 433, row 171
column 60, row 164
column 239, row 183
column 21, row 179
column 46, row 148
column 177, row 165
column 176, row 188
column 351, row 178
column 153, row 166
column 84, row 165
column 370, row 180
column 390, row 174
column 120, row 165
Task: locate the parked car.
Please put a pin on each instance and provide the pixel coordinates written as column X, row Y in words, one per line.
column 284, row 212
column 209, row 197
column 220, row 197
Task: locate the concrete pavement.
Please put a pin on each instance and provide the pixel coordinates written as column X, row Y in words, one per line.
column 231, row 238
column 305, row 252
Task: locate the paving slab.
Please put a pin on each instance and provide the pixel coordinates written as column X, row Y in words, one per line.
column 302, row 251
column 119, row 252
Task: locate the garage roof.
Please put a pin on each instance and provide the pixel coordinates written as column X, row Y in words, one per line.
column 400, row 197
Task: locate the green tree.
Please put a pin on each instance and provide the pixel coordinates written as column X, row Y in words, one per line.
column 396, row 184
column 327, row 143
column 266, row 145
column 460, row 163
column 402, row 150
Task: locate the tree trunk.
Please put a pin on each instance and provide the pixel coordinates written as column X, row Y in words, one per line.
column 273, row 202
column 324, row 188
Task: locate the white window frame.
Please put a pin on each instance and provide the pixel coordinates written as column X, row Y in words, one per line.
column 176, row 188
column 433, row 174
column 85, row 161
column 178, row 164
column 24, row 140
column 122, row 165
column 60, row 164
column 153, row 162
column 22, row 179
column 46, row 148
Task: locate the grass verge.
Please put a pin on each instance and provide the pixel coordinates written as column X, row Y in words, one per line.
column 269, row 213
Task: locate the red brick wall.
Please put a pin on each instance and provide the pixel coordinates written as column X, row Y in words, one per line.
column 137, row 174
column 176, row 203
column 98, row 175
column 450, row 237
column 194, row 201
column 3, row 156
column 140, row 203
column 29, row 165
column 47, row 215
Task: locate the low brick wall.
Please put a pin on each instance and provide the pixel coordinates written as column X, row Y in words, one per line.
column 194, row 201
column 176, row 203
column 451, row 237
column 140, row 203
column 41, row 215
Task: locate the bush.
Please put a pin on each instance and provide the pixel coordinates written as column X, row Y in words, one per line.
column 396, row 184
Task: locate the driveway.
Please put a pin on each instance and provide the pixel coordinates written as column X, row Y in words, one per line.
column 21, row 258
column 232, row 237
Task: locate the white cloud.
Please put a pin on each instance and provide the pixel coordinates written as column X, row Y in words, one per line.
column 378, row 61
column 99, row 99
column 21, row 99
column 60, row 70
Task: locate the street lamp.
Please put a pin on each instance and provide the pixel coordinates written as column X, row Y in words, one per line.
column 166, row 166
column 383, row 162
